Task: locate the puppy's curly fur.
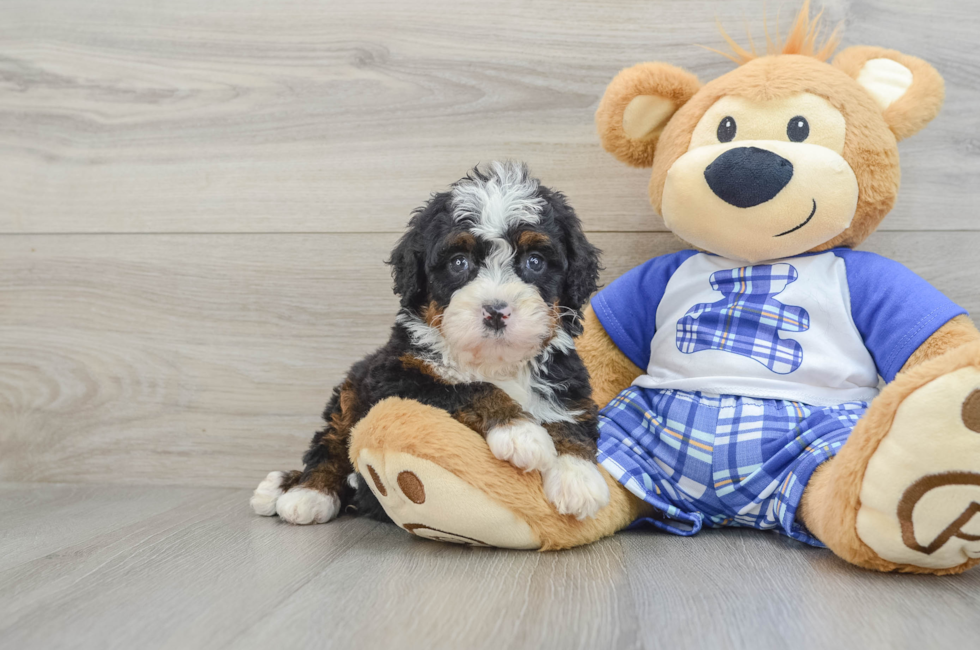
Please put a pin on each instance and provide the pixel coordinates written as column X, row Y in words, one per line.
column 492, row 277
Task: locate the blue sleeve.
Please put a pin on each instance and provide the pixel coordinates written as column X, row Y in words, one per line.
column 894, row 309
column 627, row 308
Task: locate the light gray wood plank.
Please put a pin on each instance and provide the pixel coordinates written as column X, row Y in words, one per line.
column 40, row 519
column 206, row 359
column 314, row 116
column 197, row 571
column 748, row 589
column 424, row 595
column 209, row 574
column 731, row 589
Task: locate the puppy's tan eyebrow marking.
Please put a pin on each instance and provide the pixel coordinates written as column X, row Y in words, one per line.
column 531, row 238
column 462, row 240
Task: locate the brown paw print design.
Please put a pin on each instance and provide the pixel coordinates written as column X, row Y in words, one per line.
column 429, row 501
column 414, row 490
column 921, row 489
column 970, row 415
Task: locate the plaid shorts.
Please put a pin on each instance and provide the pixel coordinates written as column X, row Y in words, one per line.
column 720, row 460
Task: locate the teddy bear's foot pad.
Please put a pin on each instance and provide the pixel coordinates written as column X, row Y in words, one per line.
column 429, row 501
column 920, row 499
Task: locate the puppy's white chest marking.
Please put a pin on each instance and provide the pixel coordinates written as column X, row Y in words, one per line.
column 518, row 391
column 534, row 403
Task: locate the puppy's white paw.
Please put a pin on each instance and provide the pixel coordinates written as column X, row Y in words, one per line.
column 523, row 444
column 576, row 487
column 305, row 506
column 264, row 498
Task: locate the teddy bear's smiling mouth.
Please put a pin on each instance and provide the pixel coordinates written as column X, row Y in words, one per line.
column 794, row 229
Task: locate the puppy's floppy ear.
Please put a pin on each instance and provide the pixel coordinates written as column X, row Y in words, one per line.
column 908, row 90
column 582, row 274
column 408, row 267
column 637, row 105
column 407, row 260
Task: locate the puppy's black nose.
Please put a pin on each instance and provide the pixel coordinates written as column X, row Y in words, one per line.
column 495, row 316
column 748, row 176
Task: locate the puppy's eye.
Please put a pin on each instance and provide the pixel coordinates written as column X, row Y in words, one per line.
column 535, row 263
column 798, row 129
column 459, row 264
column 726, row 129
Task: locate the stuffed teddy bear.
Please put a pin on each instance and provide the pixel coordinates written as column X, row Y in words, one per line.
column 739, row 380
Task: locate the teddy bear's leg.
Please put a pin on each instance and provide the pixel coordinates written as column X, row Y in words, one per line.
column 437, row 478
column 904, row 492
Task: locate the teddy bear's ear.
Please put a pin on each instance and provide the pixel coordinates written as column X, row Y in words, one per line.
column 637, row 105
column 908, row 90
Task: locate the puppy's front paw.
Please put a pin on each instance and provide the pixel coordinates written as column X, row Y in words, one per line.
column 306, row 506
column 523, row 444
column 264, row 498
column 575, row 486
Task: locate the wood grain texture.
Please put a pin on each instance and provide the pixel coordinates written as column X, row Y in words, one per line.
column 323, row 116
column 195, row 203
column 207, row 359
column 198, row 570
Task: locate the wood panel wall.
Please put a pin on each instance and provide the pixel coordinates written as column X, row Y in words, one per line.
column 196, row 197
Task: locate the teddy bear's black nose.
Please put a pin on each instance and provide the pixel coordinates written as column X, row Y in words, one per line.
column 748, row 176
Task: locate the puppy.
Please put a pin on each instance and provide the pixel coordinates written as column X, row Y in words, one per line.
column 492, row 277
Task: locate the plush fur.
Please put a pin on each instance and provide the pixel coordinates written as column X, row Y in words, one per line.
column 870, row 147
column 669, row 82
column 876, row 117
column 804, row 37
column 649, row 117
column 397, row 425
column 832, row 498
column 492, row 276
column 611, row 370
column 920, row 103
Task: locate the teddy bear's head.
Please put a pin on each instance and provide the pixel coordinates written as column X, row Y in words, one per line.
column 785, row 154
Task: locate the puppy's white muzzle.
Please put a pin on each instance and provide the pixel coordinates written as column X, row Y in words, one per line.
column 495, row 325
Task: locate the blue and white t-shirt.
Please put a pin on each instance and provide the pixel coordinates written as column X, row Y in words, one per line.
column 818, row 328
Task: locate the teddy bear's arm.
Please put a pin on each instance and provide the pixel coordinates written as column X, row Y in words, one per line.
column 610, row 370
column 958, row 331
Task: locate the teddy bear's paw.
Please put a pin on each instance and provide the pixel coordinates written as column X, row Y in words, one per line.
column 524, row 444
column 307, row 506
column 575, row 487
column 264, row 497
column 920, row 498
column 431, row 502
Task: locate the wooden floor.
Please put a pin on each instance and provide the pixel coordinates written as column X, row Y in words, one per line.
column 179, row 567
column 196, row 199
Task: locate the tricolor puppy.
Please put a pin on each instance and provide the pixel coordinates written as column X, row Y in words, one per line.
column 492, row 277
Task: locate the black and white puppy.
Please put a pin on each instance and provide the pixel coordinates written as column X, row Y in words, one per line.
column 492, row 277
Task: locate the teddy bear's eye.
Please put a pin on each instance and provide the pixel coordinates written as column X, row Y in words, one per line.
column 726, row 130
column 798, row 129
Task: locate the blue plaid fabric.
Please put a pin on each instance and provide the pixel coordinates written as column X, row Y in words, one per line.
column 747, row 320
column 722, row 460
